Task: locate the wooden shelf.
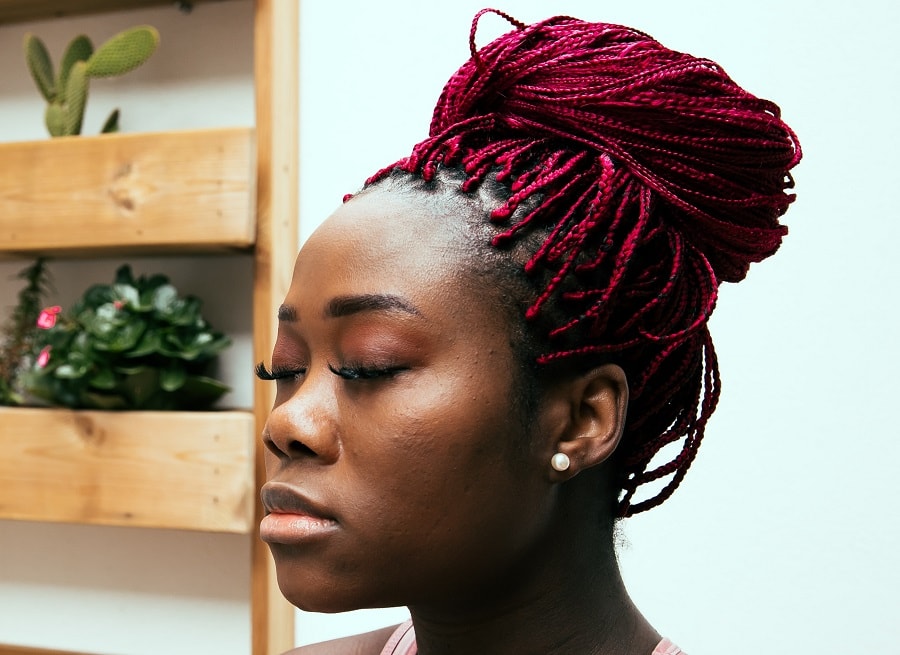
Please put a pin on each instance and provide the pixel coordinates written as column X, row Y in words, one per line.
column 147, row 193
column 24, row 650
column 17, row 11
column 186, row 470
column 168, row 193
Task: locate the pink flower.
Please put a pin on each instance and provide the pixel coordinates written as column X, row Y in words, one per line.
column 47, row 318
column 43, row 357
column 118, row 304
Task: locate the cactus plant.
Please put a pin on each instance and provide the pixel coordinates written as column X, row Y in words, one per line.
column 66, row 92
column 17, row 336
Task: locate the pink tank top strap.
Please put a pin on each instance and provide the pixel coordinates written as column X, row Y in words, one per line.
column 402, row 641
column 666, row 647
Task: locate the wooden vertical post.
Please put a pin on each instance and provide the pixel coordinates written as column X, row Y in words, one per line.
column 276, row 47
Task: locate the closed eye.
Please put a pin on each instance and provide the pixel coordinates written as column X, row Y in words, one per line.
column 360, row 372
column 279, row 373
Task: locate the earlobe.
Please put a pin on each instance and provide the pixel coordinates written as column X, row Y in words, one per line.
column 597, row 405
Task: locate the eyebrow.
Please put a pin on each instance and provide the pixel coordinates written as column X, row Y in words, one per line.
column 347, row 305
column 368, row 302
column 287, row 314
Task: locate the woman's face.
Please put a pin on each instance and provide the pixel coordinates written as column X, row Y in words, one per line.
column 399, row 469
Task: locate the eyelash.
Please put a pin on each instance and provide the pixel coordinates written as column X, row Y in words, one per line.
column 278, row 373
column 361, row 372
column 350, row 372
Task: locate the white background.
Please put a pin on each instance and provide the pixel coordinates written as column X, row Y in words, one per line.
column 784, row 536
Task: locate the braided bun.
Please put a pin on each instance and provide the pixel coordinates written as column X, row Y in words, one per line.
column 650, row 177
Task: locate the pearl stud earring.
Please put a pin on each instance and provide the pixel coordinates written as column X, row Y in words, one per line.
column 559, row 462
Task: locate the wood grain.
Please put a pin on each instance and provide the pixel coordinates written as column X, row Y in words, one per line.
column 276, row 63
column 147, row 192
column 16, row 11
column 25, row 650
column 186, row 470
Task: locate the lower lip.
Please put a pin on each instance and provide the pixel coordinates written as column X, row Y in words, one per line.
column 293, row 528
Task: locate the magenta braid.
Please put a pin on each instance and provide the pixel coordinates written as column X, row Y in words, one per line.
column 651, row 176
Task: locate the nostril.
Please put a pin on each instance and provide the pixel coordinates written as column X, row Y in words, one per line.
column 292, row 448
column 299, row 449
column 271, row 447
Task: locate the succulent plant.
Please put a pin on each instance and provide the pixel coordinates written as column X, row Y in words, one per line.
column 19, row 331
column 133, row 344
column 66, row 92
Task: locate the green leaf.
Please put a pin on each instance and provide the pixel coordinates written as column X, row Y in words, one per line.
column 104, row 401
column 125, row 276
column 98, row 294
column 103, row 379
column 111, row 125
column 123, row 52
column 100, row 324
column 123, row 338
column 155, row 281
column 107, row 313
column 69, row 372
column 199, row 392
column 205, row 345
column 140, row 386
column 129, row 294
column 165, row 299
column 186, row 313
column 39, row 65
column 148, row 345
column 172, row 378
column 80, row 49
column 130, row 370
column 81, row 343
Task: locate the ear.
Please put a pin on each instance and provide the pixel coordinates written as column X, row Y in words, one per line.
column 596, row 403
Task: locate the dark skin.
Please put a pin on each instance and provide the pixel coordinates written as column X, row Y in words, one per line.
column 402, row 471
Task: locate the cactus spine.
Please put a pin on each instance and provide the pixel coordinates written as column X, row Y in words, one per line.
column 66, row 93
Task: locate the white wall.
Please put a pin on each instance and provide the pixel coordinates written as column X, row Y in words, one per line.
column 784, row 533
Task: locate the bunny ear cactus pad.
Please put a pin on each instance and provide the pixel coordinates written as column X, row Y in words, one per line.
column 124, row 52
column 67, row 93
column 80, row 49
column 75, row 98
column 39, row 65
column 55, row 119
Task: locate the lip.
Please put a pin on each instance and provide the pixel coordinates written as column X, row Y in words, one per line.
column 291, row 517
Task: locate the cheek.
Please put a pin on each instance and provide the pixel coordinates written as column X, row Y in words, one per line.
column 445, row 452
column 447, row 499
column 434, row 421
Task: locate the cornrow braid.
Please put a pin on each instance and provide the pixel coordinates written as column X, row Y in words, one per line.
column 651, row 177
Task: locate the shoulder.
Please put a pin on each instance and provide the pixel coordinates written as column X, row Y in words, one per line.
column 367, row 643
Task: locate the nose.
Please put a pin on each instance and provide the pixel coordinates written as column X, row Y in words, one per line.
column 305, row 425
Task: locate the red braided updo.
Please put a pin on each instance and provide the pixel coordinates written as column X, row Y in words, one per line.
column 650, row 176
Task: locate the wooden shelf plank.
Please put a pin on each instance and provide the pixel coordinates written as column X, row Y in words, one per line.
column 25, row 650
column 17, row 11
column 146, row 193
column 276, row 65
column 185, row 470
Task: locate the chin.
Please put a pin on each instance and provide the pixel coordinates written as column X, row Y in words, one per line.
column 323, row 596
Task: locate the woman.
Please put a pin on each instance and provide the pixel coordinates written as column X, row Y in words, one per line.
column 484, row 352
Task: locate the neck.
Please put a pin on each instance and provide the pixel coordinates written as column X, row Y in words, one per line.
column 567, row 597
